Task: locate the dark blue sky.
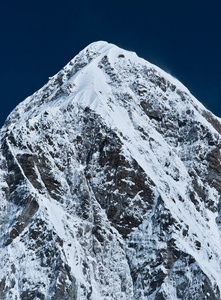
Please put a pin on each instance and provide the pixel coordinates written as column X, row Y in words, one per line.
column 39, row 37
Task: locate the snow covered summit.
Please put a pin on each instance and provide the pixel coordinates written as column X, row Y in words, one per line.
column 110, row 185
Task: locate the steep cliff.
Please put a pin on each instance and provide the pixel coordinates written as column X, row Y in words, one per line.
column 110, row 184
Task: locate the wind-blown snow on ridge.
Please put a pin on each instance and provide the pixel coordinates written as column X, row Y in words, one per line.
column 110, row 185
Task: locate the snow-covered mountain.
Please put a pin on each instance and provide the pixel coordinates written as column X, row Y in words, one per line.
column 110, row 181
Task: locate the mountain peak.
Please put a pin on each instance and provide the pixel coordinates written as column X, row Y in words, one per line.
column 110, row 186
column 99, row 45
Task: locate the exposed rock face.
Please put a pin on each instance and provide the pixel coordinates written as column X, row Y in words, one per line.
column 110, row 186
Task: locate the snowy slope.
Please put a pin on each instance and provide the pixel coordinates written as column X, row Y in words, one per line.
column 110, row 184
